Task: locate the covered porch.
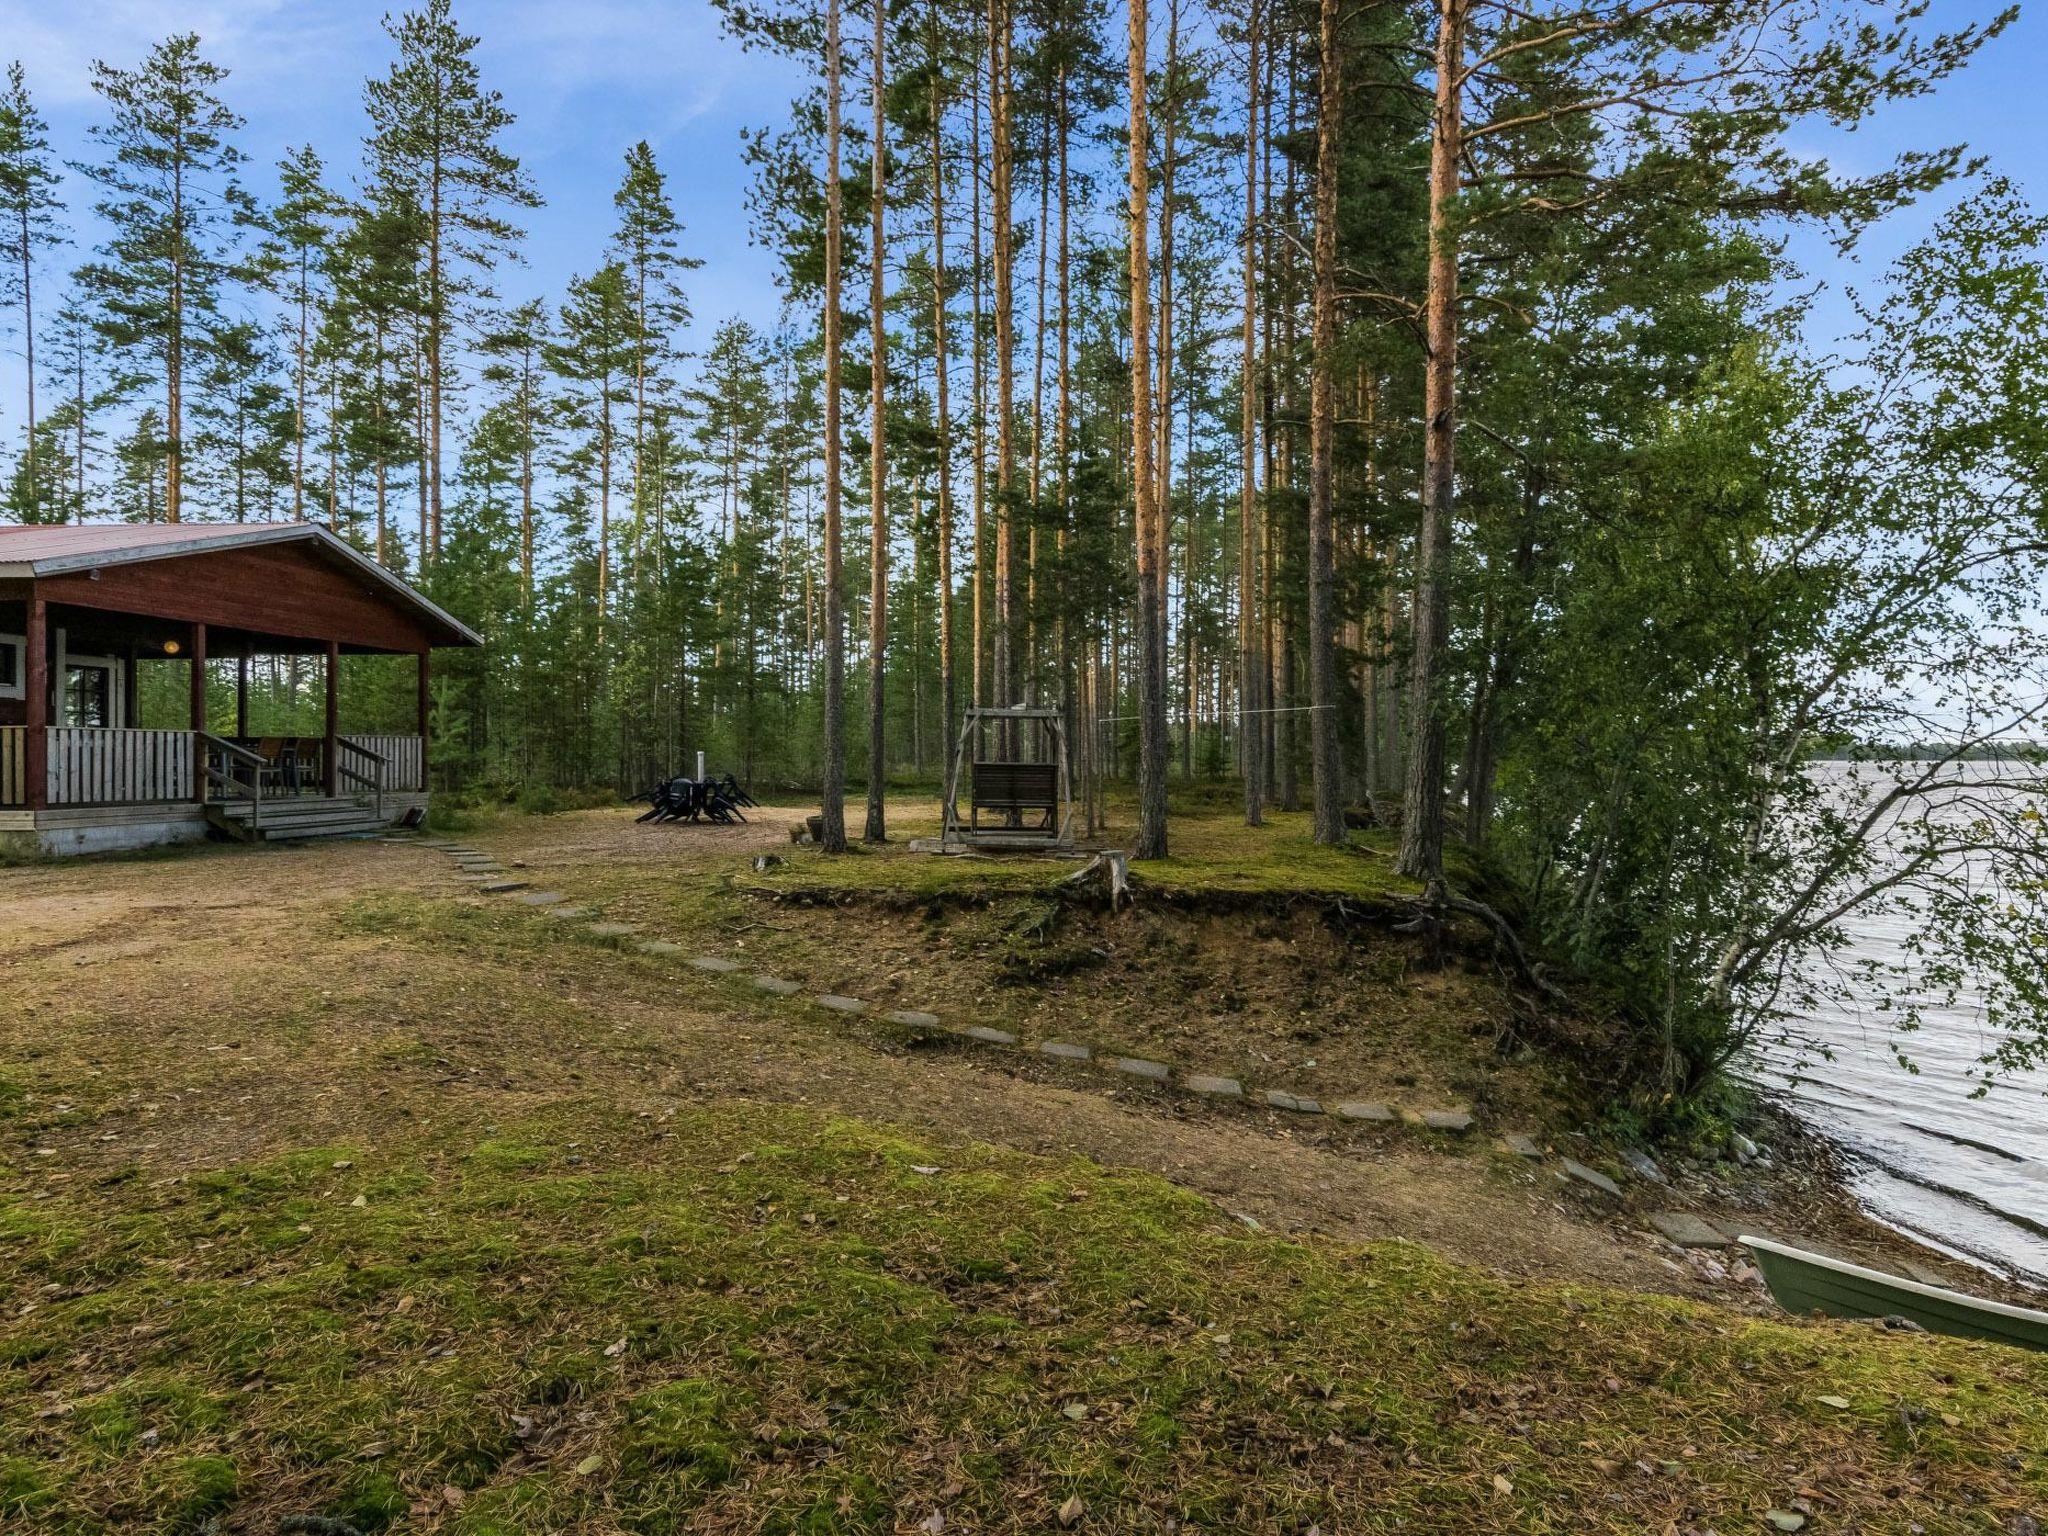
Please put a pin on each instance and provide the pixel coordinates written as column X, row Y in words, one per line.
column 103, row 628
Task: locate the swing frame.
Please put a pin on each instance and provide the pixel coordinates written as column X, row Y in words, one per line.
column 1011, row 791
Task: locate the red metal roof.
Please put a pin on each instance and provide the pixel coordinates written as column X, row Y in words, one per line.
column 38, row 543
column 34, row 550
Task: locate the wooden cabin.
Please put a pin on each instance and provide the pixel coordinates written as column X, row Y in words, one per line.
column 82, row 605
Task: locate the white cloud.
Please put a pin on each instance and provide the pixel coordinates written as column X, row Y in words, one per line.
column 270, row 47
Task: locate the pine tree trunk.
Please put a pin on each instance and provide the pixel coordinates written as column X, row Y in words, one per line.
column 1151, row 684
column 421, row 424
column 1190, row 592
column 174, row 371
column 1031, row 656
column 1324, row 736
column 299, row 396
column 978, row 679
column 1163, row 398
column 1076, row 691
column 435, row 299
column 333, row 453
column 28, row 336
column 377, row 416
column 1253, row 759
column 877, row 829
column 1269, row 440
column 1287, row 767
column 78, row 402
column 832, row 790
column 948, row 700
column 1422, row 826
column 1003, row 257
column 604, row 504
column 526, row 478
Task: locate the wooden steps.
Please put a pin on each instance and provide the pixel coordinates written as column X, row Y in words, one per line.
column 295, row 818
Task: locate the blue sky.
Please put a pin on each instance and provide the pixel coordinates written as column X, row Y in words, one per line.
column 587, row 77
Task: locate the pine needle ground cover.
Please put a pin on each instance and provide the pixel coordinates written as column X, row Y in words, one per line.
column 752, row 1319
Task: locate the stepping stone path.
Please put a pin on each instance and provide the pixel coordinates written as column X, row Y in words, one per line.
column 1279, row 1098
column 1365, row 1109
column 1592, row 1176
column 1643, row 1165
column 481, row 867
column 1688, row 1230
column 988, row 1036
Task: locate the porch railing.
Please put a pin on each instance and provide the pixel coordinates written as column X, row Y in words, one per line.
column 398, row 766
column 234, row 772
column 94, row 765
column 361, row 770
column 13, row 765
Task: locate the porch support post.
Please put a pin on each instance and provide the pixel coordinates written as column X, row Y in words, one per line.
column 331, row 763
column 242, row 693
column 198, row 711
column 425, row 713
column 131, row 707
column 36, row 701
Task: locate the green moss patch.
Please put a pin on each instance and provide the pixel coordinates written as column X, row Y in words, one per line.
column 744, row 1319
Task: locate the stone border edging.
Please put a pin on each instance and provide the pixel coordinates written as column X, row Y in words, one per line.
column 472, row 863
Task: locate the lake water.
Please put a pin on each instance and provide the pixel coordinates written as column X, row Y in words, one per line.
column 1969, row 1175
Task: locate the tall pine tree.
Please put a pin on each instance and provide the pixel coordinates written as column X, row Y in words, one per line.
column 28, row 222
column 174, row 213
column 435, row 136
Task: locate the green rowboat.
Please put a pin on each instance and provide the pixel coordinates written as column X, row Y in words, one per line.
column 1805, row 1282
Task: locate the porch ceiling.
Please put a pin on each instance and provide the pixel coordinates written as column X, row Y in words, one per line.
column 96, row 632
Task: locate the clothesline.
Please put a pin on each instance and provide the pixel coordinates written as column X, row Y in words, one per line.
column 1284, row 709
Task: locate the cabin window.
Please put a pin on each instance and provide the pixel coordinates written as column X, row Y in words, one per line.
column 11, row 664
column 89, row 694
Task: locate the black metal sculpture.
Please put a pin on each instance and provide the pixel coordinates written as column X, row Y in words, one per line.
column 715, row 800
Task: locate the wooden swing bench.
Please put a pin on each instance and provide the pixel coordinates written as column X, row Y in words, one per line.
column 1013, row 792
column 1010, row 766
